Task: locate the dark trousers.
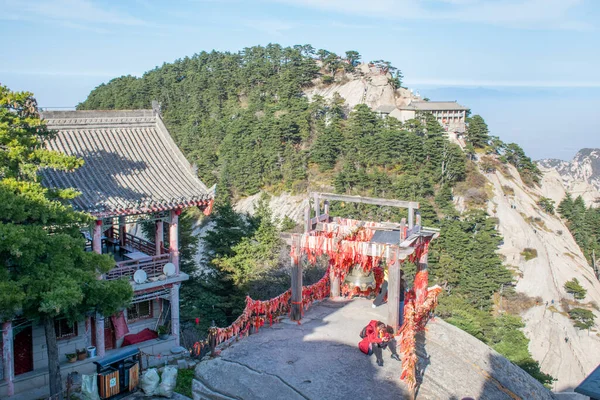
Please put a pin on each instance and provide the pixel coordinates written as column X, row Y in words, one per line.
column 382, row 292
column 377, row 349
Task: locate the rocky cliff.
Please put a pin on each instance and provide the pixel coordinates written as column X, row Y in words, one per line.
column 566, row 353
column 365, row 86
column 319, row 359
column 580, row 177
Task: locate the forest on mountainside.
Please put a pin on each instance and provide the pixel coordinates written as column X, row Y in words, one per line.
column 584, row 224
column 243, row 120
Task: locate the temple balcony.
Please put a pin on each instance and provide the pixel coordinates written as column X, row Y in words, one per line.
column 132, row 253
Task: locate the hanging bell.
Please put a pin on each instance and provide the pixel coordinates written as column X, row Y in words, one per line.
column 360, row 279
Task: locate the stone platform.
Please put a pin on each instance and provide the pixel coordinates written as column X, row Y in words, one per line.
column 319, row 359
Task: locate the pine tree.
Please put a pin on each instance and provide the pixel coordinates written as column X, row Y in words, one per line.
column 477, row 134
column 45, row 273
column 565, row 208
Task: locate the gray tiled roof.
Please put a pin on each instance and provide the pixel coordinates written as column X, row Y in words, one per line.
column 590, row 385
column 434, row 106
column 132, row 165
column 386, row 108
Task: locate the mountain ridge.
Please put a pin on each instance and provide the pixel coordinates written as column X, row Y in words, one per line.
column 580, row 176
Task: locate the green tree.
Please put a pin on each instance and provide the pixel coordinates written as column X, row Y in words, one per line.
column 546, row 204
column 477, row 134
column 565, row 208
column 582, row 318
column 573, row 287
column 353, row 57
column 45, row 274
column 528, row 170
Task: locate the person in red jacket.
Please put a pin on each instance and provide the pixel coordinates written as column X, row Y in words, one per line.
column 375, row 338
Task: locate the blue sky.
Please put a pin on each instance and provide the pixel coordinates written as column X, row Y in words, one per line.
column 530, row 67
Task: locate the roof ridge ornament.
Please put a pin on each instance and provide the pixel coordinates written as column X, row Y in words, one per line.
column 156, row 107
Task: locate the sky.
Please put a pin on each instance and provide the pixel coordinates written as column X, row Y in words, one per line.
column 529, row 67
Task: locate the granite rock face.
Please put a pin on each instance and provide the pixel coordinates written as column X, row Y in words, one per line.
column 319, row 359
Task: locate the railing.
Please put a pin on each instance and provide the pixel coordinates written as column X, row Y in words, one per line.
column 135, row 243
column 153, row 266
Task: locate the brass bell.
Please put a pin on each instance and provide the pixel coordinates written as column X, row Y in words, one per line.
column 358, row 278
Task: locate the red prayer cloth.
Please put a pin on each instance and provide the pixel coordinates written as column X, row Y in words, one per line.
column 139, row 337
column 370, row 337
column 120, row 325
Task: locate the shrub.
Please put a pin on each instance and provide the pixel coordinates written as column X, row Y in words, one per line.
column 546, row 204
column 529, row 253
column 328, row 80
column 287, row 224
column 184, row 382
column 582, row 318
column 508, row 190
column 573, row 287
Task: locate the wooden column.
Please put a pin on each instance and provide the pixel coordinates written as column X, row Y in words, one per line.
column 296, row 274
column 326, row 209
column 334, row 287
column 411, row 216
column 158, row 236
column 422, row 266
column 316, row 206
column 403, row 229
column 97, row 237
column 174, row 238
column 122, row 231
column 394, row 289
column 8, row 361
column 418, row 219
column 174, row 299
column 307, row 224
column 100, row 350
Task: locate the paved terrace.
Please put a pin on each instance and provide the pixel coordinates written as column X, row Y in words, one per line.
column 319, row 359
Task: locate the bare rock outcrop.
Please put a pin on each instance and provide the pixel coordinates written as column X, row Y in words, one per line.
column 319, row 359
column 580, row 176
column 368, row 86
column 566, row 353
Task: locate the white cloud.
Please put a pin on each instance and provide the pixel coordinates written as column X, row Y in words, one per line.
column 498, row 83
column 75, row 12
column 530, row 14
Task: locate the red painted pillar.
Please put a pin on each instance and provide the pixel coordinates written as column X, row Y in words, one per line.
column 159, row 236
column 97, row 237
column 7, row 357
column 421, row 279
column 174, row 238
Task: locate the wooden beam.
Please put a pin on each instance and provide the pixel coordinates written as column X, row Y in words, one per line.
column 296, row 274
column 384, row 226
column 394, row 291
column 320, row 218
column 368, row 200
column 366, row 248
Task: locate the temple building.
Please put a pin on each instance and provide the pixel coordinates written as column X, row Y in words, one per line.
column 133, row 174
column 451, row 115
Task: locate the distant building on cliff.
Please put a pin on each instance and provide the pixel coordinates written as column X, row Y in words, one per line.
column 451, row 115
